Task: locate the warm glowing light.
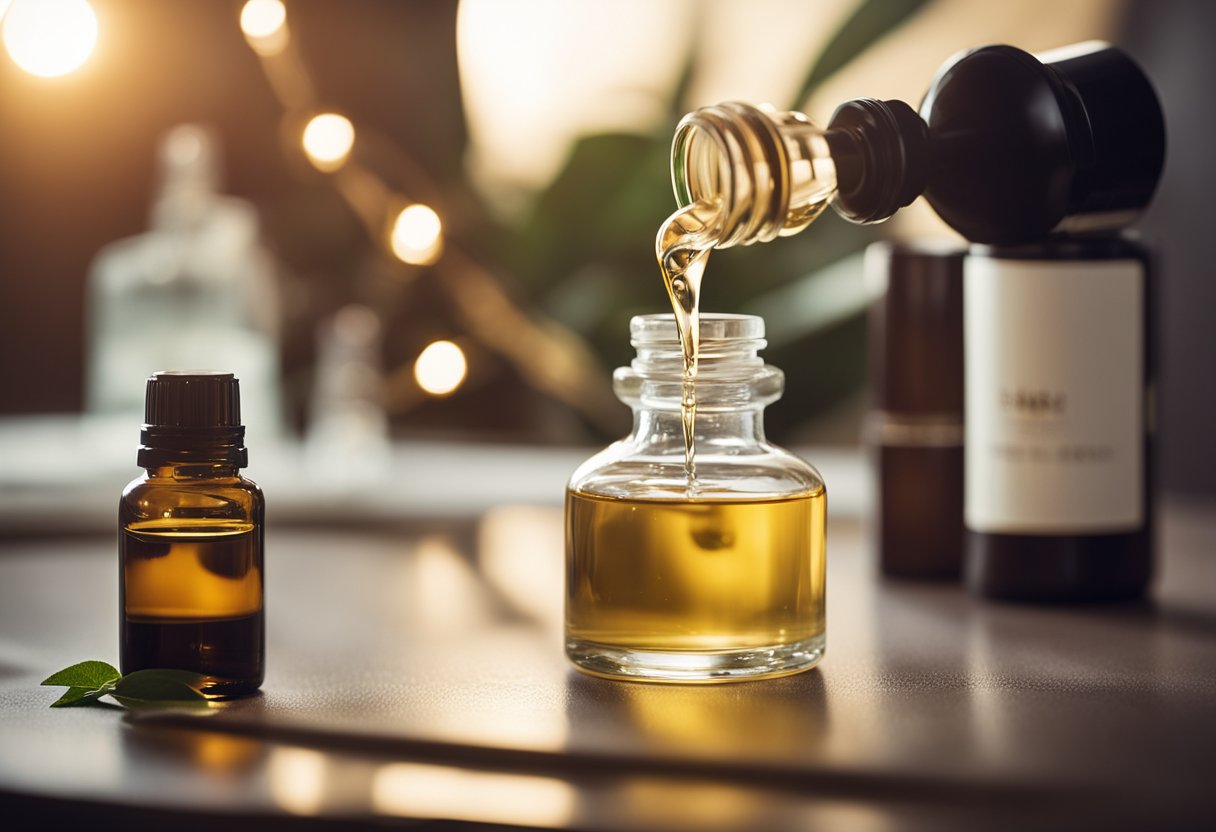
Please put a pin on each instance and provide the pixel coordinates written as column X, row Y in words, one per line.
column 50, row 37
column 264, row 23
column 445, row 592
column 417, row 236
column 262, row 18
column 328, row 139
column 440, row 368
column 428, row 791
column 520, row 553
column 297, row 780
column 549, row 72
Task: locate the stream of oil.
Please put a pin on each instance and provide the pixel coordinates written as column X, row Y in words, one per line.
column 682, row 247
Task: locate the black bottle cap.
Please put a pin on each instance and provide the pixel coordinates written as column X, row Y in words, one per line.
column 881, row 153
column 192, row 417
column 1023, row 147
column 1118, row 134
column 916, row 328
column 193, row 400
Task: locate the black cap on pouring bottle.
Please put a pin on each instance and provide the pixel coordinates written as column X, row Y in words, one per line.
column 1009, row 147
column 1023, row 145
column 192, row 417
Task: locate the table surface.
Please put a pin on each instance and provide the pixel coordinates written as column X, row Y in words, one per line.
column 416, row 675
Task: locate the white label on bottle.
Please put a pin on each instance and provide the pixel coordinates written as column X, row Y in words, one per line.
column 1054, row 394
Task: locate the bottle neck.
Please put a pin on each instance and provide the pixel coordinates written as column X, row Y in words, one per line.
column 217, row 447
column 768, row 173
column 772, row 173
column 193, row 471
column 881, row 151
column 717, row 431
column 733, row 384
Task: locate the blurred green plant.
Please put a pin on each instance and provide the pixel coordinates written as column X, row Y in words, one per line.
column 586, row 253
column 541, row 301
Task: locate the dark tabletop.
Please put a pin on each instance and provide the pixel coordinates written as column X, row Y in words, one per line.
column 415, row 674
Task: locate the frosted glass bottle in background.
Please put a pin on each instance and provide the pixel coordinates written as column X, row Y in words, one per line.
column 348, row 443
column 196, row 290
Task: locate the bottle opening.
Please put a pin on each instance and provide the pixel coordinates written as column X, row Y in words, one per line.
column 729, row 354
column 658, row 330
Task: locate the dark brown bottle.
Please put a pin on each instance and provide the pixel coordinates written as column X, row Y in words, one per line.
column 191, row 548
column 1059, row 381
column 1043, row 159
column 914, row 430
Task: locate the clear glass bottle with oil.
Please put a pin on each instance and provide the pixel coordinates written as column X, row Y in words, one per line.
column 683, row 571
column 190, row 548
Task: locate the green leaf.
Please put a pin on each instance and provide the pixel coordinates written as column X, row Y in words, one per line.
column 89, row 675
column 80, row 696
column 160, row 687
column 871, row 20
column 148, row 704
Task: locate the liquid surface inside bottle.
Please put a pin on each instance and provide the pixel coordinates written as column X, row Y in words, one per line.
column 667, row 582
column 192, row 599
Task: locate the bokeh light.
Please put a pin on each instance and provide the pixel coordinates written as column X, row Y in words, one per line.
column 328, row 139
column 417, row 236
column 50, row 38
column 297, row 779
column 441, row 368
column 264, row 23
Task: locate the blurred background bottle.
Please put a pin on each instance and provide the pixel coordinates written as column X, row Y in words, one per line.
column 914, row 430
column 196, row 290
column 348, row 435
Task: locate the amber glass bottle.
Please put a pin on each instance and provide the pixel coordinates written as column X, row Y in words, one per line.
column 190, row 548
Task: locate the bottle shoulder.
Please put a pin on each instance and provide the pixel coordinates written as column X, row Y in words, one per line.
column 631, row 469
column 231, row 498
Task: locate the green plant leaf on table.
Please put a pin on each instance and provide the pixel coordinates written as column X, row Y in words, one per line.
column 88, row 681
column 154, row 688
column 85, row 675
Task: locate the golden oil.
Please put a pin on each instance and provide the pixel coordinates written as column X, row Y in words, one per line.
column 191, row 597
column 684, row 581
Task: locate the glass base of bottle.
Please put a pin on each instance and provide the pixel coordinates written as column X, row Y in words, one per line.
column 695, row 666
column 227, row 652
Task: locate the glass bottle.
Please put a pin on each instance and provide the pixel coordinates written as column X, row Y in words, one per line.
column 914, row 430
column 190, row 548
column 197, row 289
column 714, row 579
column 1059, row 491
column 1007, row 148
